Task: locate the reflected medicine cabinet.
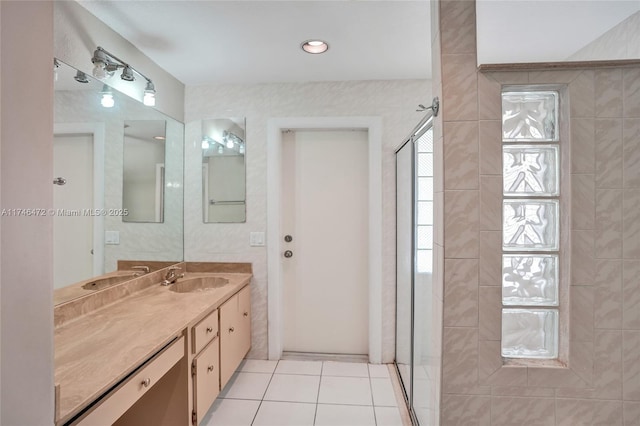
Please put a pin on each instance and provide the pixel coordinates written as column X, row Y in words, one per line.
column 223, row 170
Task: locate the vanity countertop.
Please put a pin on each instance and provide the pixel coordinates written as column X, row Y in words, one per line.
column 96, row 350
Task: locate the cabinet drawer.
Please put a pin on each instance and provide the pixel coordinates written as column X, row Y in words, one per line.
column 207, row 378
column 205, row 331
column 107, row 411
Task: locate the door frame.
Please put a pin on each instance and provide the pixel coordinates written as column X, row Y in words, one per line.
column 275, row 302
column 97, row 131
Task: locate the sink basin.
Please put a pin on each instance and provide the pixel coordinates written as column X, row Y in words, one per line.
column 193, row 285
column 106, row 282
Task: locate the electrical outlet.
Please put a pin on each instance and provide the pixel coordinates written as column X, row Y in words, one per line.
column 112, row 237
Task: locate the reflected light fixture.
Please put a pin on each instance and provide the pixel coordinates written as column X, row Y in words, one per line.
column 81, row 77
column 107, row 100
column 220, row 150
column 205, row 144
column 241, row 149
column 314, row 46
column 149, row 98
column 105, row 64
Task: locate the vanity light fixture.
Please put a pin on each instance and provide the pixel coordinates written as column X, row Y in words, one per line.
column 241, row 149
column 81, row 77
column 107, row 100
column 314, row 46
column 205, row 144
column 106, row 64
column 220, row 150
column 127, row 74
column 56, row 65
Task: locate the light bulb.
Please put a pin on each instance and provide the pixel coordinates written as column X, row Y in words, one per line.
column 229, row 143
column 149, row 98
column 205, row 144
column 107, row 100
column 220, row 150
column 241, row 149
column 99, row 71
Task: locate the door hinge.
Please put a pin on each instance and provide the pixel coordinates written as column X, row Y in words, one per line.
column 194, row 418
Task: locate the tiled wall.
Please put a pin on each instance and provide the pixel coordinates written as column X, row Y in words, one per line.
column 601, row 384
column 394, row 101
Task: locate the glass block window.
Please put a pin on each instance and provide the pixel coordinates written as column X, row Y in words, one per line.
column 530, row 116
column 424, row 202
column 530, row 224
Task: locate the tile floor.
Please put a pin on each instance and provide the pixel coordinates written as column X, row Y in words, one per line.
column 299, row 393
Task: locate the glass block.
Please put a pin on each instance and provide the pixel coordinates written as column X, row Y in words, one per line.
column 425, row 142
column 530, row 280
column 530, row 170
column 425, row 213
column 425, row 165
column 424, row 261
column 530, row 333
column 425, row 237
column 425, row 189
column 530, row 225
column 530, row 116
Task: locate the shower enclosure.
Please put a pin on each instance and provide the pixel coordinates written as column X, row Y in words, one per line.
column 414, row 270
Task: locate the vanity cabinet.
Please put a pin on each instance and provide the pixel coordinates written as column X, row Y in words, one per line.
column 206, row 379
column 235, row 333
column 205, row 367
column 124, row 396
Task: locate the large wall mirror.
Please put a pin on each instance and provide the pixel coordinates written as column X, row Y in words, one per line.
column 526, row 31
column 223, row 170
column 143, row 170
column 118, row 173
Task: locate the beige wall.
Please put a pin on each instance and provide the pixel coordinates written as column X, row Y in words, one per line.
column 26, row 269
column 78, row 33
column 601, row 382
column 620, row 42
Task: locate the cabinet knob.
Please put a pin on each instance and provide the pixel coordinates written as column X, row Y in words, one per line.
column 209, row 329
column 146, row 382
column 231, row 329
column 210, row 368
column 246, row 314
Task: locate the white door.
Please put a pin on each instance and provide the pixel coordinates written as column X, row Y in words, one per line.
column 72, row 231
column 325, row 211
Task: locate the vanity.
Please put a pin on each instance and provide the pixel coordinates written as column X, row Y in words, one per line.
column 140, row 352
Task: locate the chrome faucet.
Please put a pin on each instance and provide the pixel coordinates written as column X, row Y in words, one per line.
column 140, row 270
column 171, row 276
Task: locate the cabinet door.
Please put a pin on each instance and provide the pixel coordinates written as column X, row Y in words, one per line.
column 244, row 336
column 206, row 378
column 228, row 343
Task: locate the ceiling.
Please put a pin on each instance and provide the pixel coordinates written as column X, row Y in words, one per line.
column 221, row 42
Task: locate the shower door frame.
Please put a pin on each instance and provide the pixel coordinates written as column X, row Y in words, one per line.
column 425, row 124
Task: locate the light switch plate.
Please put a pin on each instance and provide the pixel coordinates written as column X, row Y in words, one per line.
column 112, row 237
column 256, row 239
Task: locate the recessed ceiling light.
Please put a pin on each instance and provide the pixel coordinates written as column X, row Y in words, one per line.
column 314, row 46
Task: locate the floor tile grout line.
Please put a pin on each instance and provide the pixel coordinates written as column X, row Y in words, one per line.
column 373, row 406
column 264, row 394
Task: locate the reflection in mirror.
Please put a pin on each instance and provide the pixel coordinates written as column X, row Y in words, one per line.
column 223, row 170
column 93, row 229
column 143, row 170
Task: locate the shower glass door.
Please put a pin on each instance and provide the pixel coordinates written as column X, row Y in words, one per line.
column 414, row 271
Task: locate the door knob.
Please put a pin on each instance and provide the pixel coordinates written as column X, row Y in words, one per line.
column 288, row 254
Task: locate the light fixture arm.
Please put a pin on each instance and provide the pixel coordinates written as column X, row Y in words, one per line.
column 112, row 62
